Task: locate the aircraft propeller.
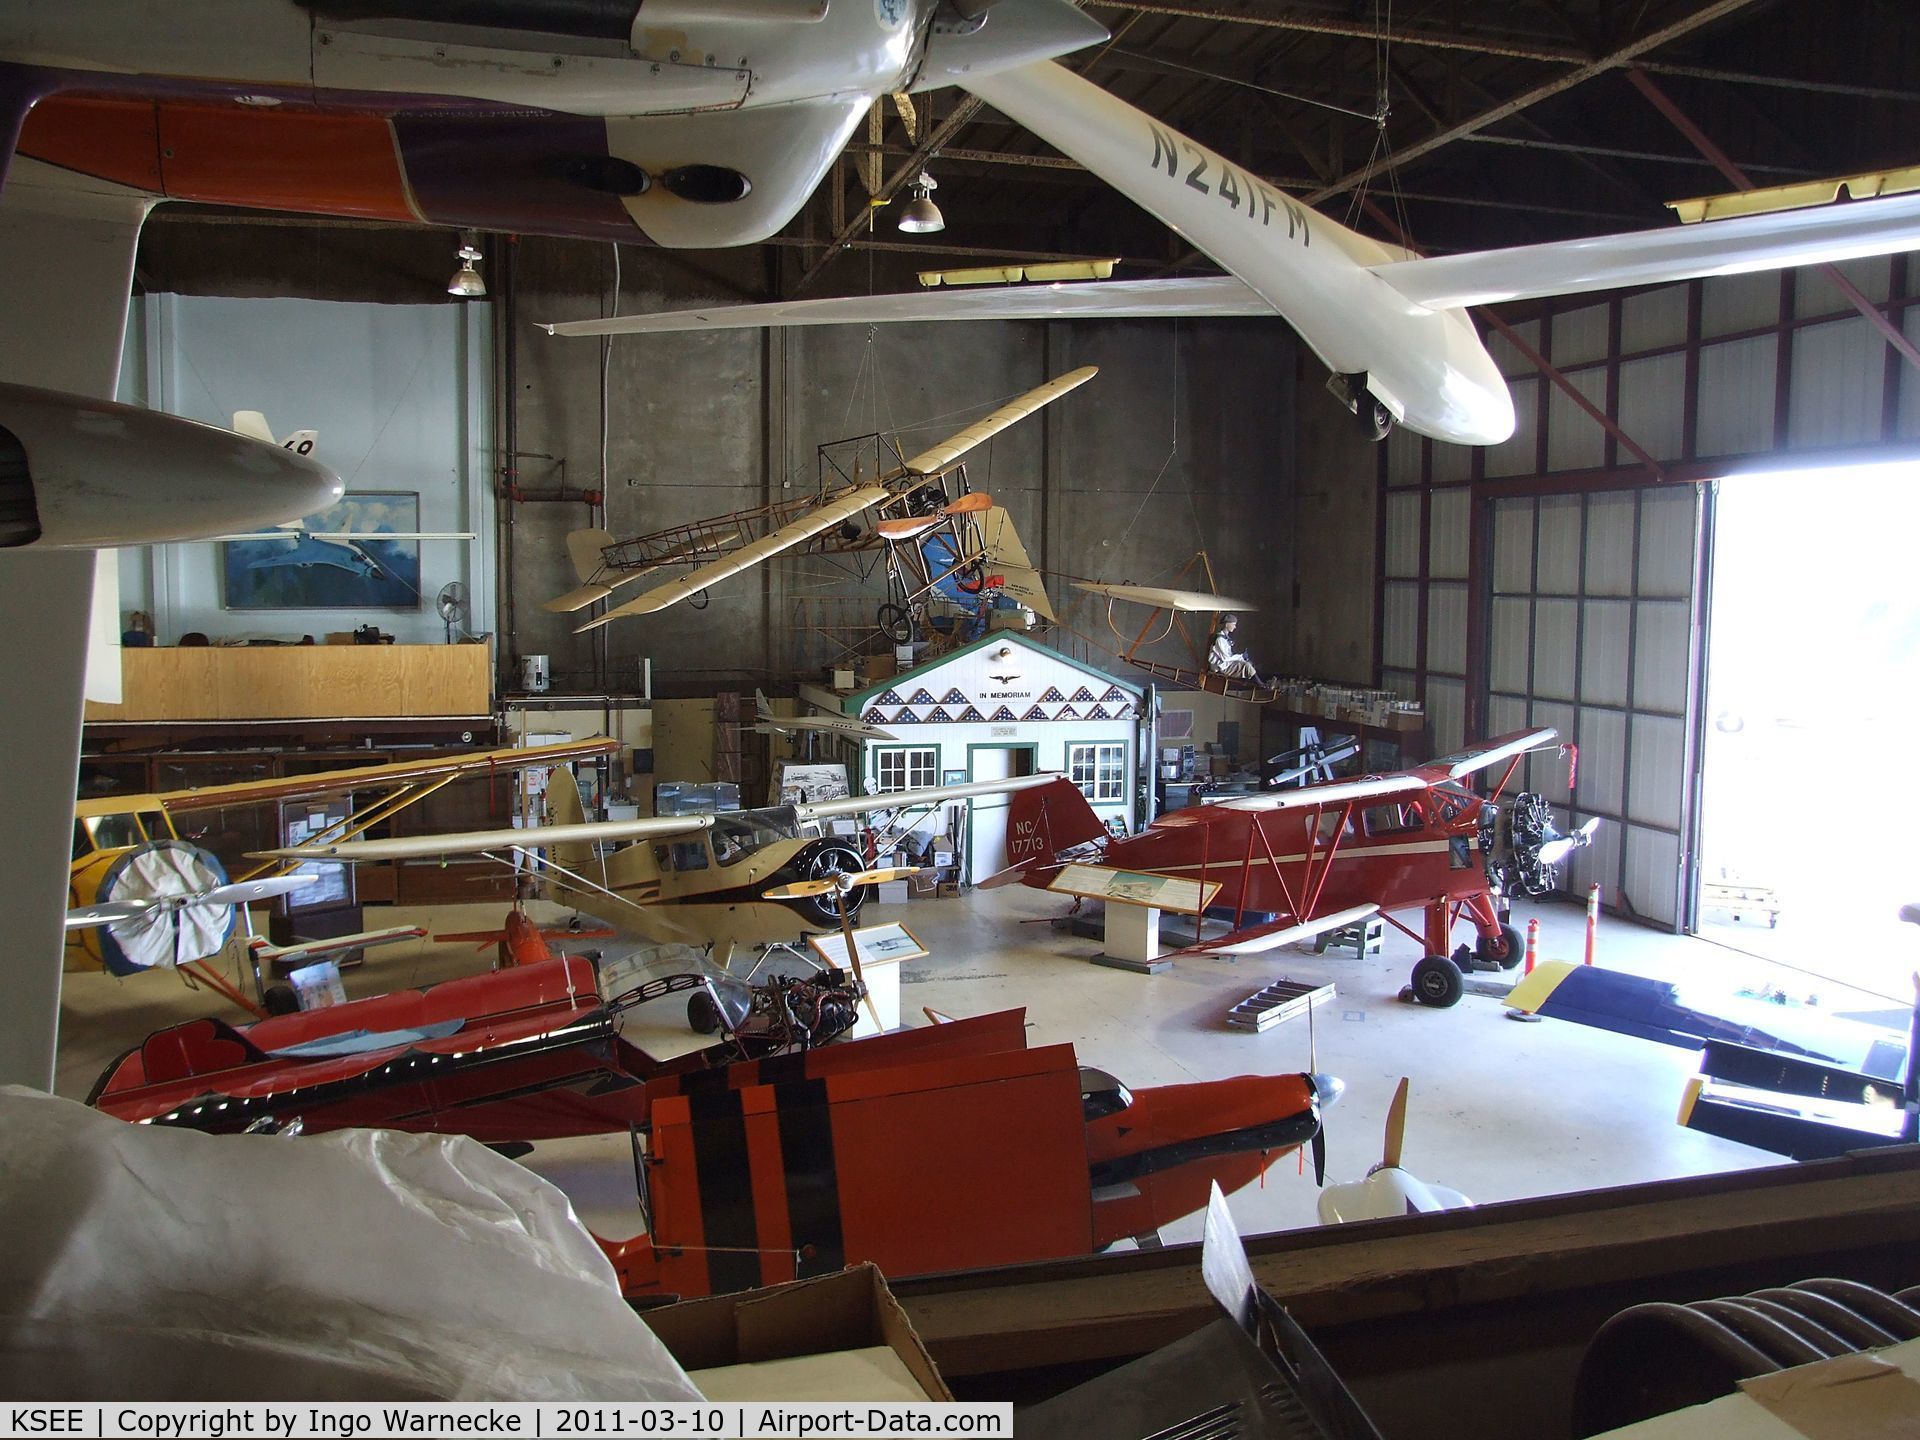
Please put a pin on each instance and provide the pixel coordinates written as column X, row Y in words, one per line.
column 840, row 884
column 243, row 892
column 1554, row 851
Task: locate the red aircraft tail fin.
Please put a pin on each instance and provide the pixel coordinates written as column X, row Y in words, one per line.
column 1048, row 820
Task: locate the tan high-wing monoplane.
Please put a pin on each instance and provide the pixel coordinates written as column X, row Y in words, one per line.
column 944, row 542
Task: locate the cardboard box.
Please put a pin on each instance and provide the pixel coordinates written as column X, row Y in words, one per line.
column 842, row 678
column 948, row 890
column 922, row 884
column 891, row 892
column 850, row 1310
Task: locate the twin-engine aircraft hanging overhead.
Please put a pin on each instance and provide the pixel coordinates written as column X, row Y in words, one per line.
column 1392, row 328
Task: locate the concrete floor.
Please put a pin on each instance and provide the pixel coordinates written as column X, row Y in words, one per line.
column 1499, row 1110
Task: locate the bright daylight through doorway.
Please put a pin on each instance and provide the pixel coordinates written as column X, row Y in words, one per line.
column 1809, row 803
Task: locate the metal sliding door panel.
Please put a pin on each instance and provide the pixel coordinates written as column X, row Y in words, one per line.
column 1590, row 631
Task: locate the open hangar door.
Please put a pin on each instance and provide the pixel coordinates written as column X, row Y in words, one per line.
column 1813, row 673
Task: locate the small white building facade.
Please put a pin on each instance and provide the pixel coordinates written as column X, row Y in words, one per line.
column 1002, row 706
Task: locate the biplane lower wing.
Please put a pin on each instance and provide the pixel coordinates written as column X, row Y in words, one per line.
column 1258, row 939
column 797, row 532
column 308, row 951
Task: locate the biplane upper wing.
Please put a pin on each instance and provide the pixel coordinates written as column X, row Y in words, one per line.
column 795, row 532
column 373, row 777
column 1256, row 939
column 914, row 799
column 1340, row 792
column 938, row 457
column 479, row 842
column 1162, row 598
column 1463, row 763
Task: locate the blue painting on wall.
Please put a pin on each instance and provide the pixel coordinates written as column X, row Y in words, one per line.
column 307, row 572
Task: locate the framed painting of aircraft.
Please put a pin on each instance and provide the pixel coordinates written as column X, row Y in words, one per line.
column 335, row 559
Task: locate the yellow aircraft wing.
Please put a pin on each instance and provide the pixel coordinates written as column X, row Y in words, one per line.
column 370, row 777
column 479, row 842
column 929, row 462
column 794, row 533
column 1162, row 598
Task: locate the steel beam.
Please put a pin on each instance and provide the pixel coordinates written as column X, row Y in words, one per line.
column 1699, row 139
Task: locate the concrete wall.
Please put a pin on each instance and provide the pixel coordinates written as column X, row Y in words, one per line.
column 1335, row 499
column 1184, row 442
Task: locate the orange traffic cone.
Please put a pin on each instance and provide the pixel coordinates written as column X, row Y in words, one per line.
column 1533, row 946
column 1593, row 918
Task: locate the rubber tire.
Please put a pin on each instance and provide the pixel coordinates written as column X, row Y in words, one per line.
column 1516, row 949
column 895, row 623
column 820, row 908
column 1437, row 981
column 702, row 1017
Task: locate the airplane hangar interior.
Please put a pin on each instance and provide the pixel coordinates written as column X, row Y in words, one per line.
column 1127, row 713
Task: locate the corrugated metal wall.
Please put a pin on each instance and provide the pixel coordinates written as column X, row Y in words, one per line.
column 1556, row 579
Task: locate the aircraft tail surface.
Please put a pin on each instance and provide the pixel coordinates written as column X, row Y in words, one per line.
column 564, row 808
column 583, row 548
column 1007, row 558
column 1045, row 821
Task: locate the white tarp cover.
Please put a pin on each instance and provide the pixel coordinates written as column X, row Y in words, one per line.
column 169, row 937
column 146, row 1263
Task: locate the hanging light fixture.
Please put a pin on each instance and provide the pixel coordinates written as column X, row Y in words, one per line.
column 921, row 216
column 466, row 281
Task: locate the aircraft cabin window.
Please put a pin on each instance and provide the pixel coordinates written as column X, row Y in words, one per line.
column 82, row 842
column 1333, row 822
column 737, row 836
column 1393, row 818
column 114, row 832
column 154, row 822
column 690, row 855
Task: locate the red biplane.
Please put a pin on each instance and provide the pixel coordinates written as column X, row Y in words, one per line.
column 766, row 1155
column 1292, row 864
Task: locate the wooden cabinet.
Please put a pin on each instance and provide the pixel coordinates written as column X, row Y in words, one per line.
column 293, row 682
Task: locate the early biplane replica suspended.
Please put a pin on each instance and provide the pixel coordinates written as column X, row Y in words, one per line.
column 944, row 542
column 699, row 878
column 1316, row 859
column 129, row 852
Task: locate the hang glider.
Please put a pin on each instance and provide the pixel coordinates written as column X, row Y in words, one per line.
column 1158, row 597
column 1392, row 328
column 928, row 532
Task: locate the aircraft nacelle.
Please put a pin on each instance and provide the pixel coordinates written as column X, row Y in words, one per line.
column 683, row 124
column 77, row 473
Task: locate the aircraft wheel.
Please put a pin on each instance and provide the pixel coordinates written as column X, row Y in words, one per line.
column 702, row 1016
column 896, row 624
column 1437, row 981
column 833, row 860
column 1376, row 421
column 1506, row 952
